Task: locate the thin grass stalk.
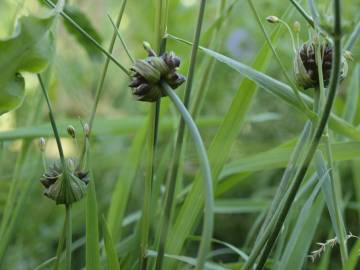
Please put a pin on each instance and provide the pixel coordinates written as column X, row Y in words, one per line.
column 334, row 81
column 328, row 153
column 105, row 69
column 209, row 66
column 287, row 176
column 173, row 173
column 146, row 209
column 208, row 184
column 89, row 38
column 306, row 16
column 154, row 119
column 60, row 247
column 68, row 230
column 13, row 189
column 353, row 38
column 277, row 57
column 68, row 227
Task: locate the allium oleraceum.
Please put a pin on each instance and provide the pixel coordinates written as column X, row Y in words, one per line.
column 306, row 69
column 149, row 72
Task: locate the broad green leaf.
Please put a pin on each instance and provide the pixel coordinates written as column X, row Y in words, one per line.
column 84, row 22
column 29, row 49
column 112, row 258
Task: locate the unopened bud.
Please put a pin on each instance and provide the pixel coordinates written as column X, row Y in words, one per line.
column 42, row 144
column 348, row 56
column 272, row 19
column 71, row 131
column 296, row 27
column 86, row 130
column 148, row 48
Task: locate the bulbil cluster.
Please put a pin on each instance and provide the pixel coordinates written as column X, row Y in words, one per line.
column 147, row 73
column 306, row 68
column 64, row 187
column 67, row 183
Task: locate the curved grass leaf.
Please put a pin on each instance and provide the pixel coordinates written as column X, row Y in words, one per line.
column 279, row 89
column 279, row 156
column 92, row 228
column 112, row 258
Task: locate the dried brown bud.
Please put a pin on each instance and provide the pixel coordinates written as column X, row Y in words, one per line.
column 71, row 131
column 306, row 69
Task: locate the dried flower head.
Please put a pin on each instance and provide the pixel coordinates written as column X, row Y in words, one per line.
column 149, row 72
column 306, row 69
column 71, row 131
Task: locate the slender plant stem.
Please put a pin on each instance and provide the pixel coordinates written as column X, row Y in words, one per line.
column 353, row 38
column 100, row 86
column 277, row 57
column 283, row 211
column 154, row 118
column 209, row 65
column 90, row 38
column 306, row 16
column 328, row 153
column 60, row 247
column 208, row 184
column 169, row 199
column 116, row 28
column 53, row 122
column 68, row 229
column 145, row 220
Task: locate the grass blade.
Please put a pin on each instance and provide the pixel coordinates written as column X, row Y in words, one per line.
column 112, row 258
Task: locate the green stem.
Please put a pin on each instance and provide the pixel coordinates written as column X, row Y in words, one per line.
column 60, row 246
column 209, row 65
column 100, row 86
column 90, row 38
column 306, row 16
column 277, row 57
column 283, row 211
column 68, row 232
column 353, row 38
column 169, row 199
column 208, row 185
column 290, row 33
column 146, row 212
column 116, row 28
column 53, row 123
column 328, row 153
